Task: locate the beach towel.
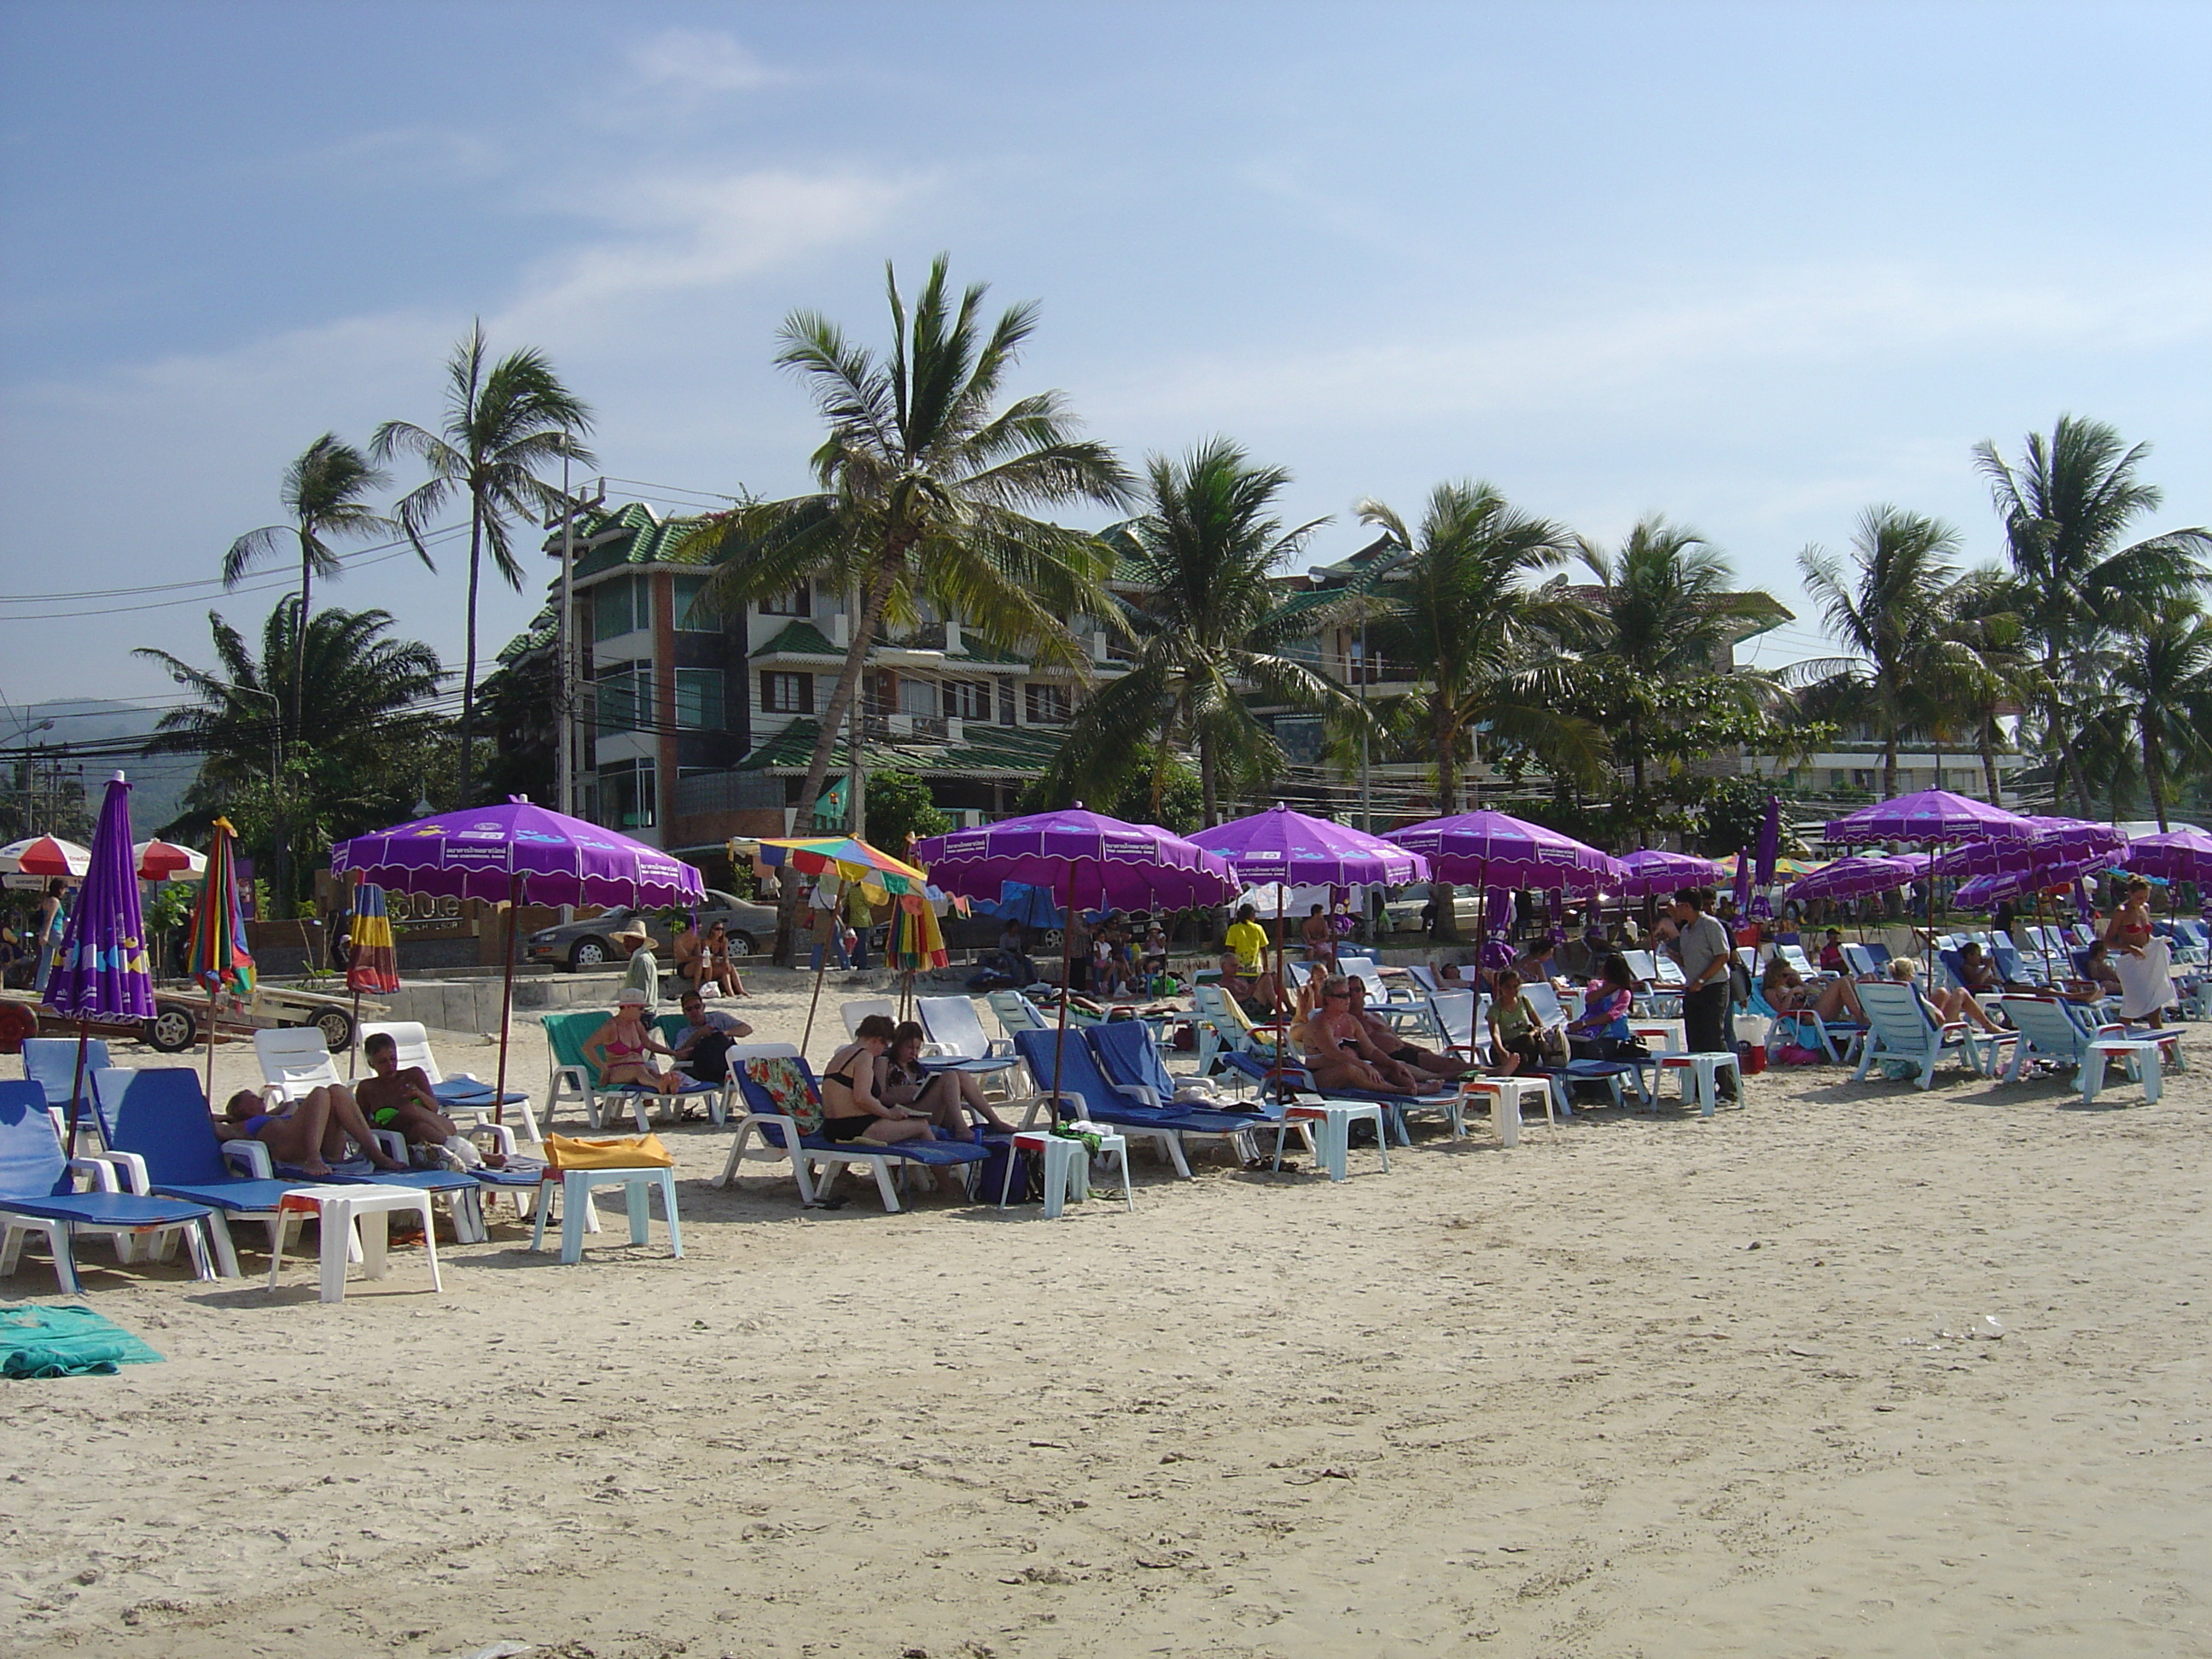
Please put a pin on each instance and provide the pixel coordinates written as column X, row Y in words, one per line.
column 779, row 1078
column 67, row 1341
column 2146, row 980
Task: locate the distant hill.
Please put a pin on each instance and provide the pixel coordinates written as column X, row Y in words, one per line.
column 82, row 724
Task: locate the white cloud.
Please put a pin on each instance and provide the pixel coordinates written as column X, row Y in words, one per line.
column 699, row 62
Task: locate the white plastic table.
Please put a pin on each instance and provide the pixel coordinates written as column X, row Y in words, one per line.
column 1507, row 1095
column 1331, row 1123
column 340, row 1208
column 575, row 1187
column 1067, row 1165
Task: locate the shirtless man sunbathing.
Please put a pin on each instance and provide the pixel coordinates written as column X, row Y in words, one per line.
column 307, row 1134
column 402, row 1101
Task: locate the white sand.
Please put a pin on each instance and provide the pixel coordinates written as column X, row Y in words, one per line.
column 1638, row 1387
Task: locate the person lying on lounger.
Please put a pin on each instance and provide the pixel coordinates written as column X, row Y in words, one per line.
column 1951, row 1003
column 1787, row 992
column 1421, row 1062
column 308, row 1133
column 1337, row 1050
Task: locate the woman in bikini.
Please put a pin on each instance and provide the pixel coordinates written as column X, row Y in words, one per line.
column 852, row 1107
column 2144, row 961
column 946, row 1098
column 1787, row 992
column 619, row 1048
column 308, row 1134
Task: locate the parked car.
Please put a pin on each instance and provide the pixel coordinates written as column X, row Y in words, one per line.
column 590, row 943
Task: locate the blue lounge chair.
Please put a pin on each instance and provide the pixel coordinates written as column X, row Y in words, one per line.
column 38, row 1194
column 1131, row 1061
column 1068, row 1077
column 157, row 1120
column 50, row 1062
column 780, row 1137
column 1903, row 1026
column 1865, row 959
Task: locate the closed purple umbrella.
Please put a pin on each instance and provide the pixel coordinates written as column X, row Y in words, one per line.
column 1085, row 856
column 1743, row 882
column 524, row 854
column 1770, row 848
column 103, row 971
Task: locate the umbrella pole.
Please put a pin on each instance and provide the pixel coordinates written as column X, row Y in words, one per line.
column 820, row 969
column 77, row 1089
column 215, row 1012
column 353, row 1049
column 506, row 994
column 1282, row 1029
column 1067, row 960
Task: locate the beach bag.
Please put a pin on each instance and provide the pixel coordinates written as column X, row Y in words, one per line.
column 620, row 1152
column 709, row 1059
column 1609, row 1048
column 1028, row 1174
column 1791, row 1054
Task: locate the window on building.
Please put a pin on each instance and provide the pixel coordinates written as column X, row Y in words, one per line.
column 967, row 700
column 625, row 696
column 1045, row 705
column 699, row 699
column 787, row 694
column 917, row 698
column 628, row 795
column 1839, row 778
column 694, row 613
column 620, row 604
column 799, row 602
column 1006, row 702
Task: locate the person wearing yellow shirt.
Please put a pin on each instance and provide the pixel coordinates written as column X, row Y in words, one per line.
column 1248, row 939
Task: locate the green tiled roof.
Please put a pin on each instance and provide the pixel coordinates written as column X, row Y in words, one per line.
column 543, row 630
column 998, row 751
column 637, row 537
column 798, row 639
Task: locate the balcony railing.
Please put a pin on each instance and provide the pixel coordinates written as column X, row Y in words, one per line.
column 725, row 792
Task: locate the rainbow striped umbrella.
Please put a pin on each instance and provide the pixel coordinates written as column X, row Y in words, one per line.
column 848, row 858
column 373, row 961
column 915, row 941
column 219, row 957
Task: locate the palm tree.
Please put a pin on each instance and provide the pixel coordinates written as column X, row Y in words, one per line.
column 322, row 491
column 501, row 426
column 363, row 713
column 2066, row 507
column 1212, row 626
column 2159, row 712
column 925, row 484
column 1669, row 615
column 1901, row 564
column 1460, row 611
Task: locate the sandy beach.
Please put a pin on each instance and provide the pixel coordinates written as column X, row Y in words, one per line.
column 1640, row 1386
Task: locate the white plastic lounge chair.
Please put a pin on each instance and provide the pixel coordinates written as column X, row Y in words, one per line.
column 39, row 1195
column 2054, row 1031
column 853, row 1010
column 1903, row 1026
column 1224, row 1028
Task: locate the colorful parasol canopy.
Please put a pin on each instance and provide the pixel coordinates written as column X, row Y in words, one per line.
column 2018, row 883
column 1280, row 845
column 218, row 957
column 848, row 858
column 914, row 941
column 103, row 971
column 164, row 860
column 1496, row 848
column 372, row 957
column 1929, row 816
column 1786, row 867
column 1108, row 861
column 46, row 855
column 543, row 857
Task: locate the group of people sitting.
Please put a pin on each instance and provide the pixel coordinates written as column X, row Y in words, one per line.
column 311, row 1133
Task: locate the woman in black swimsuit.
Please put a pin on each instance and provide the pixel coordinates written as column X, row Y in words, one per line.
column 947, row 1097
column 853, row 1107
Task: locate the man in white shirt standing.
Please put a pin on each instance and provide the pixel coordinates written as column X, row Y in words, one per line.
column 1701, row 946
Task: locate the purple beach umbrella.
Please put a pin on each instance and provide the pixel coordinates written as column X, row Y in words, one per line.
column 1853, row 877
column 523, row 854
column 1486, row 849
column 1770, row 849
column 1651, row 871
column 1085, row 857
column 103, row 971
column 1931, row 818
column 2177, row 855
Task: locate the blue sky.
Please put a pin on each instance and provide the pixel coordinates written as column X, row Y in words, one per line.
column 1755, row 267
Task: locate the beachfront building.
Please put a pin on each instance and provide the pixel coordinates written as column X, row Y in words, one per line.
column 688, row 726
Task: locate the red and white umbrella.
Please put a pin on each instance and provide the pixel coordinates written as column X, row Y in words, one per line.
column 44, row 855
column 164, row 860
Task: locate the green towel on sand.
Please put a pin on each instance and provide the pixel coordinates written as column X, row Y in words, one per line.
column 37, row 1341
